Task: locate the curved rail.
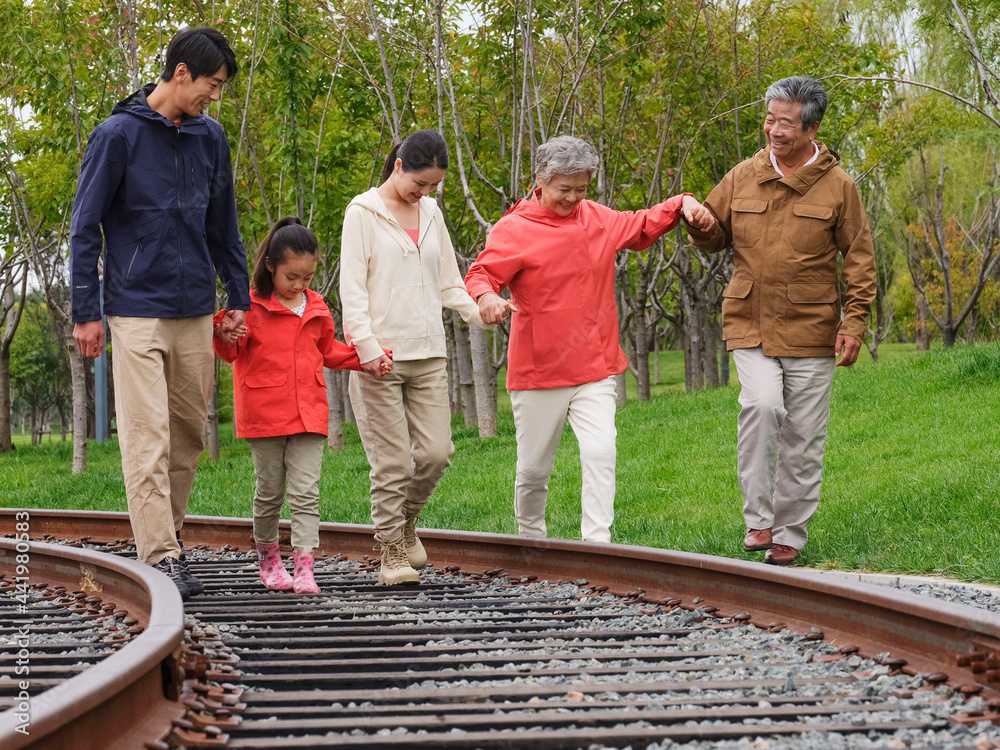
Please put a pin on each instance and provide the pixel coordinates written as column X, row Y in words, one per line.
column 128, row 687
column 930, row 636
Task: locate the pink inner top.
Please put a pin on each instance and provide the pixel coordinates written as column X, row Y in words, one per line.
column 414, row 235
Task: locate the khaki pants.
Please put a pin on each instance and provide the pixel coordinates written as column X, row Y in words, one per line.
column 405, row 424
column 539, row 418
column 784, row 411
column 163, row 372
column 287, row 466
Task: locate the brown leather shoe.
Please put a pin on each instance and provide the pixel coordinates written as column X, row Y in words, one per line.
column 757, row 539
column 781, row 554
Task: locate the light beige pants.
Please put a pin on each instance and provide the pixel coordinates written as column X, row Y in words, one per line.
column 784, row 411
column 539, row 418
column 288, row 466
column 163, row 372
column 405, row 424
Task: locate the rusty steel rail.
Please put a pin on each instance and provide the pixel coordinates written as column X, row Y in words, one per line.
column 930, row 637
column 120, row 701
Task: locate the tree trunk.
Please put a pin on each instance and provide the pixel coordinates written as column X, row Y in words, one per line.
column 641, row 347
column 922, row 335
column 345, row 379
column 710, row 349
column 621, row 391
column 212, row 442
column 451, row 354
column 6, row 435
column 77, row 369
column 723, row 362
column 335, row 399
column 484, row 376
column 465, row 379
column 656, row 356
column 36, row 424
column 694, row 351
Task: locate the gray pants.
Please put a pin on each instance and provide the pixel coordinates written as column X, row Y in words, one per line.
column 785, row 408
column 287, row 467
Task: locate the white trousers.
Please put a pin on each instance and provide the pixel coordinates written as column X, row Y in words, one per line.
column 539, row 417
column 784, row 411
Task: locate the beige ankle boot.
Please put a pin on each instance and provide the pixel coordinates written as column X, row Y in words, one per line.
column 411, row 542
column 395, row 565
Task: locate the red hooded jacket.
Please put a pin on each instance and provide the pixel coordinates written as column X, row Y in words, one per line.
column 561, row 273
column 278, row 367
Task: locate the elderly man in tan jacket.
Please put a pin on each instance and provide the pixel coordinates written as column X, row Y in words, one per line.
column 788, row 212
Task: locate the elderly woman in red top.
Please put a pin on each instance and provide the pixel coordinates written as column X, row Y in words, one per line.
column 556, row 252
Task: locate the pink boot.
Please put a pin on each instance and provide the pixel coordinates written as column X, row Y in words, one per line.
column 305, row 583
column 272, row 572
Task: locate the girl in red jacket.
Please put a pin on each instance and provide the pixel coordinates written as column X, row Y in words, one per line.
column 281, row 404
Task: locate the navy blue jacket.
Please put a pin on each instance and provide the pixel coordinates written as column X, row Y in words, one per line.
column 163, row 195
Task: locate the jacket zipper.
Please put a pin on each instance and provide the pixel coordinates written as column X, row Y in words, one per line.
column 178, row 180
column 135, row 254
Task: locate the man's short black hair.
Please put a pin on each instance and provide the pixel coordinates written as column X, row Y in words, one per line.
column 203, row 50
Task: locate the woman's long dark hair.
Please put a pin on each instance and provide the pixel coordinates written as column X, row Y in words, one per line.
column 286, row 236
column 424, row 149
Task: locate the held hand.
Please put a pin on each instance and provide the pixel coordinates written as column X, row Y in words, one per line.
column 850, row 347
column 374, row 367
column 89, row 338
column 232, row 327
column 696, row 214
column 493, row 308
column 384, row 368
column 234, row 321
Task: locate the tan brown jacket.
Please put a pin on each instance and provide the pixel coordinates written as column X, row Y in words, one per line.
column 786, row 233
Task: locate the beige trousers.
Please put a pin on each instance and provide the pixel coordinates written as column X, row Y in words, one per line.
column 163, row 372
column 784, row 411
column 539, row 418
column 405, row 424
column 288, row 466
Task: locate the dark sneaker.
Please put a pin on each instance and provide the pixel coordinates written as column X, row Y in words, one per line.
column 171, row 568
column 180, row 544
column 194, row 585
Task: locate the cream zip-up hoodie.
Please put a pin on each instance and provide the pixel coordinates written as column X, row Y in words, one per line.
column 392, row 291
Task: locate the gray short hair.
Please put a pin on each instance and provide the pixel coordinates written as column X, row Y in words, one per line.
column 564, row 154
column 806, row 91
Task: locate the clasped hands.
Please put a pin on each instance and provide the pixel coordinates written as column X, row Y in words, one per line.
column 232, row 327
column 379, row 367
column 696, row 214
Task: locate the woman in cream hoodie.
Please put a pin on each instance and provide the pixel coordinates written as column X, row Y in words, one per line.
column 397, row 271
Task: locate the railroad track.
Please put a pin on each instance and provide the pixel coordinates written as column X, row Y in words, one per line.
column 507, row 643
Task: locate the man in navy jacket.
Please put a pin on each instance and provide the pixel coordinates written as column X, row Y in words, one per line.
column 157, row 183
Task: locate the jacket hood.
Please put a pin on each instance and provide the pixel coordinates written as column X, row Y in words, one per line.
column 371, row 201
column 806, row 176
column 532, row 209
column 137, row 104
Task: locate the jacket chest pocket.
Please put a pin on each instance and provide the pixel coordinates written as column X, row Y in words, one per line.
column 748, row 222
column 809, row 229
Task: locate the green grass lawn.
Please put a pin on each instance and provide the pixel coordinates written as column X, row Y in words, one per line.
column 911, row 484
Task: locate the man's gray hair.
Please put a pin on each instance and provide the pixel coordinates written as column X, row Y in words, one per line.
column 564, row 154
column 802, row 89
